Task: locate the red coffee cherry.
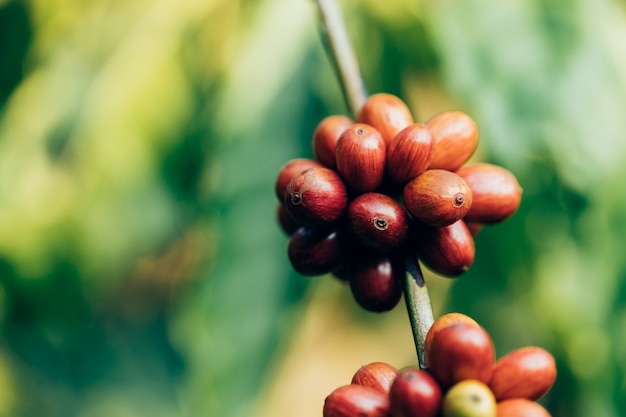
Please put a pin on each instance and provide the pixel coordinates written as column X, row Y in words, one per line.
column 415, row 393
column 455, row 137
column 409, row 153
column 437, row 197
column 326, row 136
column 361, row 155
column 386, row 113
column 375, row 281
column 290, row 170
column 521, row 407
column 377, row 221
column 496, row 194
column 287, row 224
column 447, row 250
column 376, row 375
column 459, row 352
column 528, row 372
column 316, row 197
column 356, row 401
column 314, row 251
column 443, row 322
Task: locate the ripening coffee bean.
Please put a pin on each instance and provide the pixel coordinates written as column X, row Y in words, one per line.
column 441, row 323
column 361, row 155
column 448, row 250
column 314, row 251
column 316, row 197
column 521, row 407
column 356, row 401
column 290, row 170
column 387, row 113
column 469, row 398
column 375, row 281
column 437, row 197
column 377, row 221
column 287, row 224
column 455, row 137
column 496, row 194
column 409, row 153
column 376, row 375
column 528, row 372
column 461, row 351
column 326, row 136
column 415, row 393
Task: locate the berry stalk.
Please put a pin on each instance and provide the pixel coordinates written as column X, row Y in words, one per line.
column 415, row 292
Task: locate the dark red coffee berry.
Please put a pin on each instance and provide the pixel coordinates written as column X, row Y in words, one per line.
column 287, row 224
column 290, row 170
column 455, row 137
column 314, row 252
column 386, row 113
column 409, row 153
column 447, row 250
column 375, row 281
column 377, row 221
column 415, row 393
column 437, row 197
column 316, row 197
column 326, row 136
column 361, row 155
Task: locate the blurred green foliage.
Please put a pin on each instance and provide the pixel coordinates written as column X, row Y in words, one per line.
column 141, row 268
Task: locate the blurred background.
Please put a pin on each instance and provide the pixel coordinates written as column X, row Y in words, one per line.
column 142, row 271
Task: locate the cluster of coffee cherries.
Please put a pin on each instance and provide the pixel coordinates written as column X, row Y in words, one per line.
column 384, row 188
column 463, row 380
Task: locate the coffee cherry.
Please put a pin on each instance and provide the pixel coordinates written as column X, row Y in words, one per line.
column 443, row 322
column 469, row 398
column 290, row 170
column 356, row 401
column 409, row 153
column 455, row 137
column 316, row 197
column 375, row 281
column 496, row 194
column 459, row 352
column 314, row 251
column 521, row 407
column 361, row 155
column 437, row 197
column 377, row 221
column 448, row 250
column 287, row 224
column 376, row 375
column 386, row 113
column 326, row 136
column 527, row 372
column 415, row 393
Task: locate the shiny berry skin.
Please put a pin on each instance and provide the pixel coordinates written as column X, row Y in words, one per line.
column 459, row 352
column 496, row 194
column 314, row 252
column 409, row 153
column 448, row 250
column 377, row 221
column 376, row 375
column 326, row 136
column 437, row 197
column 455, row 137
column 375, row 281
column 387, row 113
column 443, row 322
column 469, row 398
column 291, row 168
column 361, row 155
column 316, row 197
column 415, row 393
column 356, row 401
column 528, row 372
column 521, row 407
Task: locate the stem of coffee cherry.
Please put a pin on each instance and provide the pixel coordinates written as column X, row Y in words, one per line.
column 415, row 291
